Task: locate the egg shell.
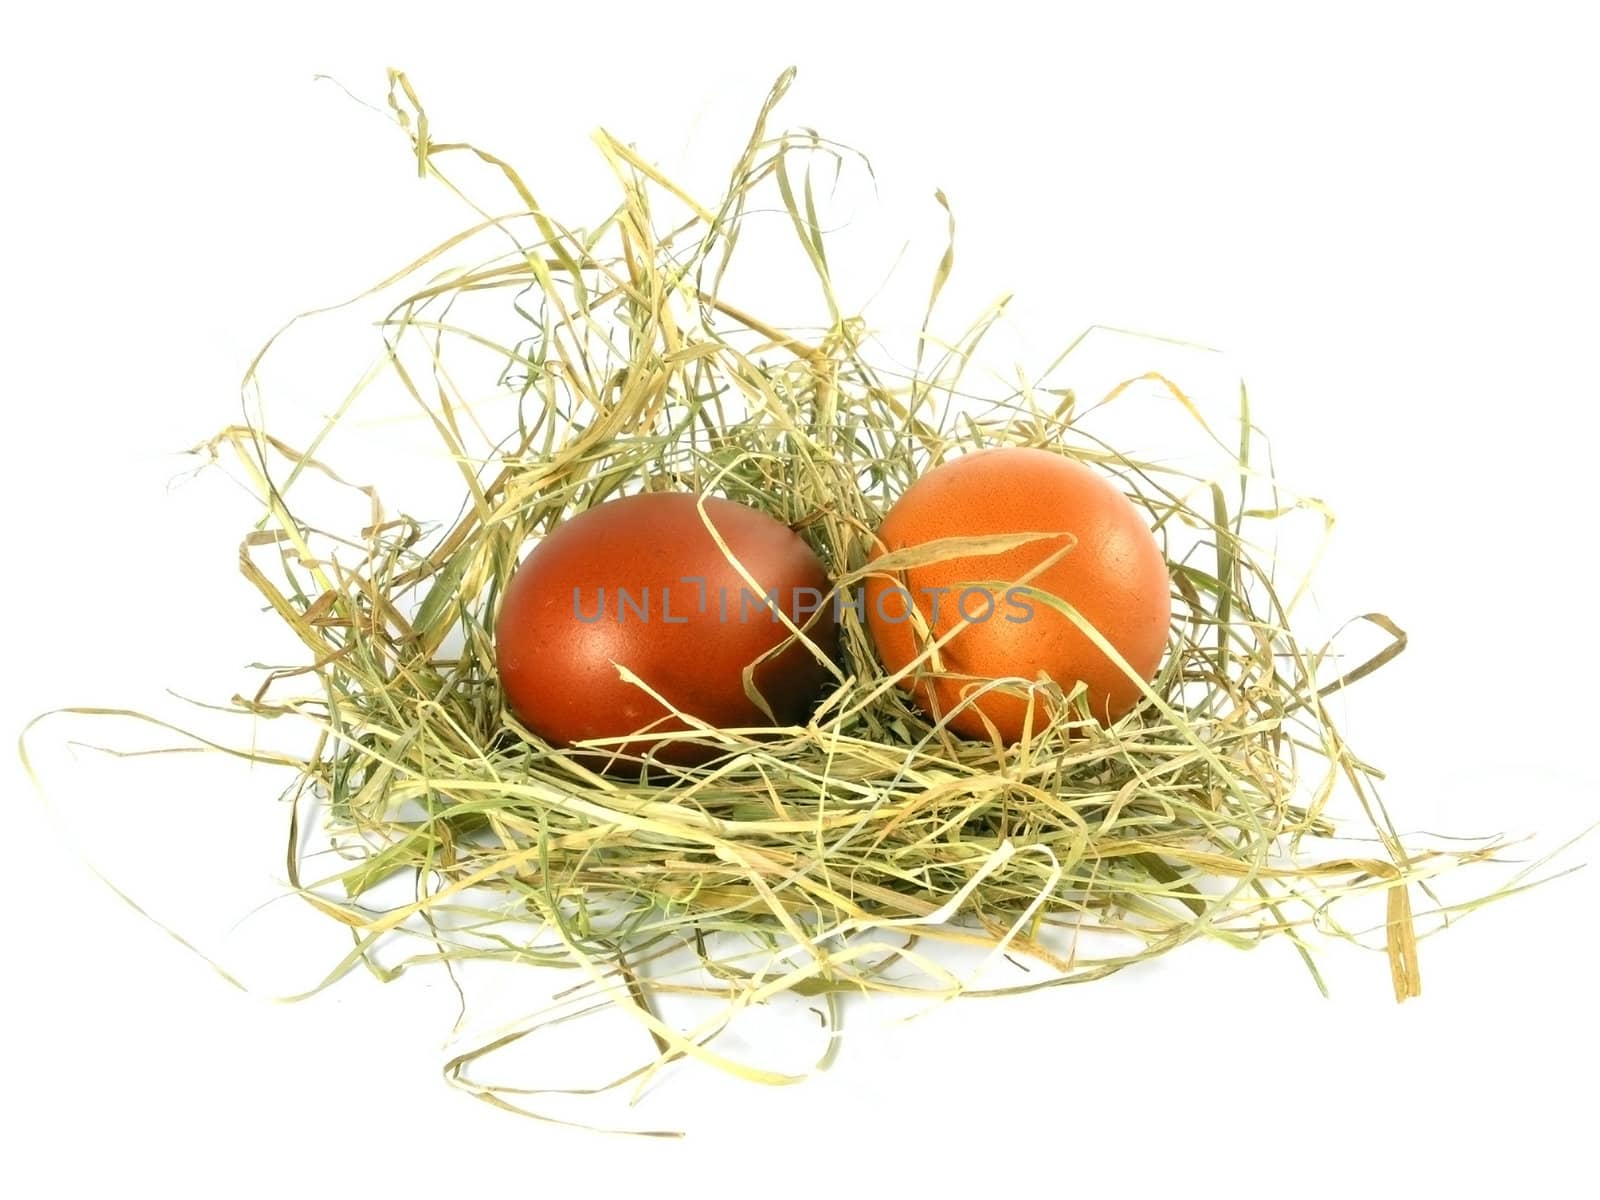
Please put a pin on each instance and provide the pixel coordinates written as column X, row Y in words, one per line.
column 640, row 582
column 1115, row 575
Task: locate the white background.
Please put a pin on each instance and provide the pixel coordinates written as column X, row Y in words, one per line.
column 1385, row 216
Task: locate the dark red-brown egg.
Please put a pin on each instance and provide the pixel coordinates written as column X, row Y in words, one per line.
column 641, row 583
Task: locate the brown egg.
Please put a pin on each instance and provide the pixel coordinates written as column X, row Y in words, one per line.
column 639, row 582
column 1114, row 575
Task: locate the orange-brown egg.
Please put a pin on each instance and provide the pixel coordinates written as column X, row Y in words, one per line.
column 1114, row 575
